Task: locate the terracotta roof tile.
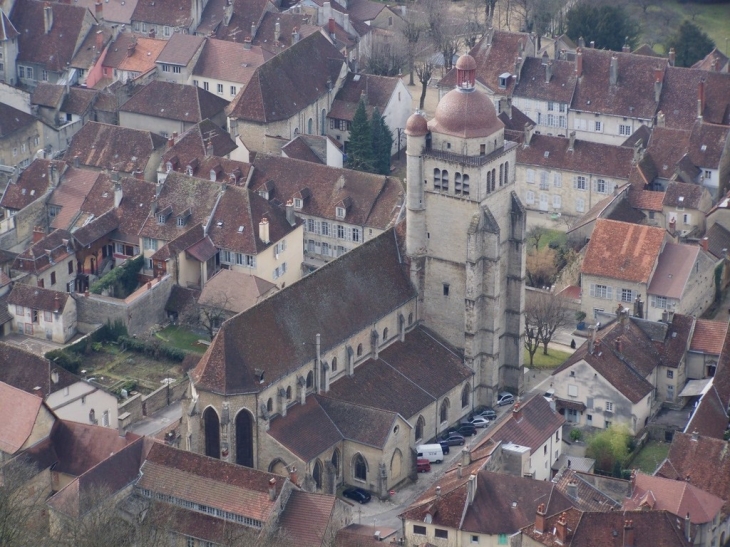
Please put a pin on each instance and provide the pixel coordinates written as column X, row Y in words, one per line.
column 79, row 101
column 181, row 48
column 37, row 298
column 230, row 363
column 691, row 194
column 89, row 52
column 24, row 409
column 298, row 149
column 245, row 12
column 113, row 11
column 228, row 61
column 7, row 30
column 377, row 89
column 529, row 424
column 12, row 120
column 32, row 183
column 49, row 95
column 25, row 370
column 710, row 417
column 306, row 517
column 619, row 250
column 53, row 248
column 288, row 23
column 306, row 430
column 173, row 13
column 172, row 101
column 70, row 194
column 679, row 97
column 532, row 84
column 709, row 336
column 674, row 346
column 719, row 240
column 235, row 291
column 144, row 53
column 651, row 528
column 647, row 200
column 192, row 145
column 673, row 270
column 588, row 496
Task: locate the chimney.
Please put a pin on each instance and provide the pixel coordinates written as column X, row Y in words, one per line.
column 290, row 212
column 253, row 30
column 619, row 345
column 99, row 40
column 626, row 48
column 517, row 412
column 120, row 429
column 658, row 74
column 130, row 49
column 571, row 142
column 700, row 99
column 548, row 71
column 592, row 340
column 672, row 56
column 704, row 242
column 660, row 119
column 592, row 45
column 540, row 519
column 614, row 70
column 438, row 494
column 264, row 230
column 629, row 533
column 170, row 142
column 139, row 174
column 53, row 174
column 247, row 42
column 277, row 30
column 208, row 149
column 228, row 13
column 38, row 234
column 118, row 194
column 56, row 303
column 579, row 62
column 272, row 489
column 77, row 161
column 638, row 307
column 695, row 435
column 471, row 488
column 153, row 33
column 572, row 490
column 99, row 11
column 293, row 476
column 458, row 470
column 465, row 457
column 331, row 28
column 528, row 133
column 561, row 529
column 294, row 35
column 581, row 42
column 47, row 17
column 688, row 528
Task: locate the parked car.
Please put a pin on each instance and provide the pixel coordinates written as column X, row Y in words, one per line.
column 479, row 421
column 488, row 412
column 505, row 398
column 467, row 430
column 453, row 439
column 444, row 447
column 423, row 465
column 357, row 494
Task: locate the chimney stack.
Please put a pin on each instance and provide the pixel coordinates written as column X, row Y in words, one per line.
column 614, row 70
column 619, row 345
column 139, row 174
column 47, row 17
column 471, row 488
column 579, row 62
column 290, row 212
column 571, row 141
column 38, row 234
column 118, row 194
column 592, row 44
column 517, row 412
column 700, row 99
column 705, row 243
column 247, row 42
column 99, row 40
column 658, row 75
column 264, row 231
column 638, row 307
column 130, row 48
column 561, row 529
column 548, row 71
column 458, row 470
column 253, row 30
column 77, row 161
column 277, row 30
column 272, row 489
column 592, row 339
column 672, row 56
column 629, row 533
column 331, row 28
column 660, row 119
column 294, row 35
column 53, row 174
column 293, row 476
column 581, row 42
column 208, row 149
column 540, row 519
column 99, row 11
column 528, row 133
column 465, row 457
column 572, row 490
column 153, row 33
column 688, row 528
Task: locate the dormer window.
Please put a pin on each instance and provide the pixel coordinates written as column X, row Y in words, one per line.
column 168, row 166
column 504, row 80
column 189, row 170
column 213, row 175
column 181, row 221
column 297, row 203
column 161, row 219
column 340, row 211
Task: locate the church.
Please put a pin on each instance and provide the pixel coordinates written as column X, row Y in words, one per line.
column 337, row 377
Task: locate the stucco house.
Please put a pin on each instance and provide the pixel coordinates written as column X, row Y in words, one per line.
column 42, row 313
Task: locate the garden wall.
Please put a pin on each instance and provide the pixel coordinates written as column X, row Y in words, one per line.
column 139, row 406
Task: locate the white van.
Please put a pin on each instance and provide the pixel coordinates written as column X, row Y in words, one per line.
column 432, row 452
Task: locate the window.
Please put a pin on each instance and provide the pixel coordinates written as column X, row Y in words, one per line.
column 359, row 350
column 220, row 88
column 601, row 186
column 659, row 302
column 708, row 174
column 687, row 218
column 149, row 244
column 206, row 86
column 598, row 127
column 627, row 295
column 47, row 317
column 105, row 419
column 551, row 106
column 530, row 176
column 439, row 533
column 340, row 212
column 190, row 542
column 572, row 390
column 557, row 201
column 361, row 468
column 41, row 283
column 176, row 70
column 609, row 406
column 557, row 180
column 446, row 289
column 53, row 278
column 444, row 411
column 544, row 450
column 444, row 180
column 226, row 257
column 234, row 90
column 70, row 266
column 601, row 291
column 580, row 205
column 340, row 231
column 482, row 149
column 419, row 530
column 465, row 396
column 530, row 197
column 21, row 72
column 562, row 121
column 325, row 227
column 624, row 130
column 165, row 68
column 502, row 539
column 544, row 184
column 19, row 310
column 580, row 183
column 551, row 120
column 475, row 539
column 334, row 364
column 356, row 234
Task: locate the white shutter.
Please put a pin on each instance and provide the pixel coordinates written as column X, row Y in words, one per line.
column 609, row 293
column 592, row 291
column 575, row 182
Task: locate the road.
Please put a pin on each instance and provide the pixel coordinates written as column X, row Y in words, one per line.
column 151, row 425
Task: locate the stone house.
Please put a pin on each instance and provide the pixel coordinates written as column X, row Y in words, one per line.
column 131, row 56
column 613, row 271
column 32, row 421
column 67, row 395
column 705, row 347
column 289, row 94
column 42, row 313
column 389, row 95
column 49, row 262
column 225, row 68
column 685, row 207
column 9, row 49
column 179, row 57
column 340, row 209
column 21, row 136
column 168, row 18
column 565, row 176
column 229, row 293
column 166, row 108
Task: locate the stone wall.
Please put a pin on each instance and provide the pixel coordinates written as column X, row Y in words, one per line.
column 138, row 312
column 164, row 396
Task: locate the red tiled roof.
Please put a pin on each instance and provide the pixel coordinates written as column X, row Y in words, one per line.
column 529, row 424
column 228, row 61
column 37, row 298
column 651, row 529
column 673, row 270
column 173, row 101
column 173, row 13
column 619, row 250
column 70, row 194
column 32, row 183
column 709, row 336
column 21, row 409
column 647, row 200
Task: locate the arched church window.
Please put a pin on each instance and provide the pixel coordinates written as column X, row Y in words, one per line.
column 444, row 180
column 359, row 350
column 506, row 172
column 420, row 426
column 360, row 467
column 465, row 396
column 437, row 179
column 501, row 168
column 270, row 405
column 457, row 183
column 334, row 364
column 288, row 393
column 310, row 380
column 385, row 334
column 465, row 185
column 444, row 411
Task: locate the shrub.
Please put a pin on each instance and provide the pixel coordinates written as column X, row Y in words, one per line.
column 121, row 280
column 152, row 348
column 576, row 435
column 65, row 359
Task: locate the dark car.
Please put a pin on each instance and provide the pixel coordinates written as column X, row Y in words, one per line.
column 357, row 494
column 467, row 430
column 453, row 439
column 444, row 447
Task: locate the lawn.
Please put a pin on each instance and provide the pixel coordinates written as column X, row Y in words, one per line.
column 650, row 457
column 182, row 338
column 553, row 359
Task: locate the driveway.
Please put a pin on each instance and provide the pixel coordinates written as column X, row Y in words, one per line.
column 31, row 344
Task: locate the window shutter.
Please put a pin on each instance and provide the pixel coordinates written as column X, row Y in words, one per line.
column 594, row 185
column 609, row 293
column 592, row 290
column 653, row 301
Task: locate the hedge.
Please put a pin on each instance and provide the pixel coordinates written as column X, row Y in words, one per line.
column 123, row 280
column 153, row 348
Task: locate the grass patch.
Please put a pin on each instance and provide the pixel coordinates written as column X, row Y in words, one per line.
column 553, row 359
column 650, row 456
column 553, row 236
column 181, row 338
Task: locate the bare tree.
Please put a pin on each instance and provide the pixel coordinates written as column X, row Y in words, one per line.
column 22, row 522
column 210, row 314
column 545, row 313
column 412, row 33
column 424, row 72
column 531, row 340
column 535, row 234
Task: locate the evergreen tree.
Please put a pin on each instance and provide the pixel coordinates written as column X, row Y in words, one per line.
column 690, row 43
column 382, row 143
column 609, row 26
column 360, row 147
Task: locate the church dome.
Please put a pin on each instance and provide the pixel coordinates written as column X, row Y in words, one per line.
column 466, row 62
column 416, row 126
column 466, row 113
